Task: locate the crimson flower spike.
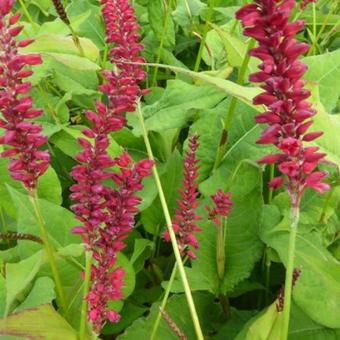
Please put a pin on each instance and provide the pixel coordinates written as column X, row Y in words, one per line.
column 222, row 206
column 288, row 114
column 107, row 214
column 184, row 221
column 22, row 138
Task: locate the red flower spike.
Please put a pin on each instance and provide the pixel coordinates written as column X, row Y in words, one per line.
column 184, row 221
column 22, row 139
column 106, row 213
column 222, row 206
column 288, row 113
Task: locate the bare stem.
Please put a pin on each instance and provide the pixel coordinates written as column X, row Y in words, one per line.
column 164, row 302
column 232, row 108
column 84, row 306
column 49, row 250
column 290, row 269
column 174, row 243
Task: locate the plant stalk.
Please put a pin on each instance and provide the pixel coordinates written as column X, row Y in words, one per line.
column 164, row 302
column 204, row 36
column 166, row 212
column 49, row 251
column 232, row 106
column 290, row 268
column 161, row 44
column 220, row 249
column 84, row 306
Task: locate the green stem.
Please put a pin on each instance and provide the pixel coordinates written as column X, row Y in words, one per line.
column 232, row 106
column 174, row 243
column 164, row 302
column 76, row 40
column 87, row 281
column 271, row 176
column 49, row 251
column 204, row 36
column 161, row 44
column 290, row 269
column 267, row 280
column 27, row 13
column 317, row 37
column 327, row 202
column 220, row 249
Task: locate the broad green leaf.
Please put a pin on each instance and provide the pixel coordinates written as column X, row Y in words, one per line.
column 49, row 188
column 153, row 217
column 67, row 141
column 58, row 220
column 141, row 252
column 93, row 27
column 41, row 293
column 207, row 310
column 42, row 322
column 241, row 145
column 267, row 326
column 163, row 28
column 178, row 103
column 64, row 45
column 186, row 10
column 318, row 286
column 325, row 70
column 73, row 61
column 243, row 246
column 225, row 46
column 19, row 276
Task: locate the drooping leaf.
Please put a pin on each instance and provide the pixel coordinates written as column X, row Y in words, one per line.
column 48, row 324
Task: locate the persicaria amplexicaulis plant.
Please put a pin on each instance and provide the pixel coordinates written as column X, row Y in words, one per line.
column 108, row 213
column 185, row 219
column 222, row 206
column 288, row 114
column 22, row 138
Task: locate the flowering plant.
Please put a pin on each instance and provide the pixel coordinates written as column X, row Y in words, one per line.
column 169, row 169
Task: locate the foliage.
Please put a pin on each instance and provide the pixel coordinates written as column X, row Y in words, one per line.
column 182, row 102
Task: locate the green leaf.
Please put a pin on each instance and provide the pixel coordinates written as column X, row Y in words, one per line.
column 178, row 103
column 186, row 9
column 208, row 311
column 41, row 293
column 267, row 325
column 225, row 46
column 49, row 188
column 156, row 15
column 52, row 43
column 19, row 276
column 241, row 145
column 153, row 217
column 325, row 70
column 319, row 283
column 243, row 246
column 67, row 141
column 47, row 324
column 141, row 252
column 59, row 222
column 73, row 61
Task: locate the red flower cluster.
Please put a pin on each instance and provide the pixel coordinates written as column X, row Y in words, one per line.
column 108, row 213
column 184, row 221
column 120, row 209
column 122, row 30
column 222, row 207
column 22, row 137
column 289, row 114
